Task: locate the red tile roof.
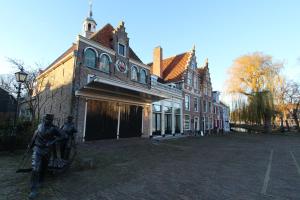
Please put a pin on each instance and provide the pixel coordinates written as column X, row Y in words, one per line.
column 173, row 67
column 105, row 37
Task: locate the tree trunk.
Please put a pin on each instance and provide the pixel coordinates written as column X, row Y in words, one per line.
column 295, row 117
column 281, row 124
column 267, row 124
column 287, row 124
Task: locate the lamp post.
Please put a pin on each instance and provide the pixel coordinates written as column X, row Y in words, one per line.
column 21, row 77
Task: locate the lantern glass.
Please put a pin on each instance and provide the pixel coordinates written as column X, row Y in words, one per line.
column 21, row 76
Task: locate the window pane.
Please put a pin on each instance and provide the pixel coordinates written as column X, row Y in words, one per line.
column 143, row 76
column 134, row 74
column 156, row 108
column 90, row 58
column 187, row 122
column 167, row 109
column 104, row 63
column 195, row 104
column 187, row 102
column 121, row 49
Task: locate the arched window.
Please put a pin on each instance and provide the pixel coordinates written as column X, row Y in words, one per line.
column 90, row 58
column 89, row 27
column 134, row 73
column 143, row 76
column 104, row 63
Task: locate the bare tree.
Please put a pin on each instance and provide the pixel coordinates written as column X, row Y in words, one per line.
column 292, row 98
column 7, row 81
column 37, row 89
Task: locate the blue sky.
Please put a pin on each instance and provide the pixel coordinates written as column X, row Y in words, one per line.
column 39, row 31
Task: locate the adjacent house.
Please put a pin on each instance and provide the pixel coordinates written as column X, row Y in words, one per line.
column 8, row 105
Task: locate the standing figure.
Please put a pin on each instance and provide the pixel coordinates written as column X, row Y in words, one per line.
column 69, row 131
column 44, row 137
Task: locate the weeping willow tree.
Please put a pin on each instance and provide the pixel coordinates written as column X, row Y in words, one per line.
column 254, row 77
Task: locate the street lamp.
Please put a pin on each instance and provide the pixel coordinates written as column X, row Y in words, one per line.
column 21, row 77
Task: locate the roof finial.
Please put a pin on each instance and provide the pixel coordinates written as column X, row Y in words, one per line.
column 194, row 47
column 91, row 6
column 206, row 62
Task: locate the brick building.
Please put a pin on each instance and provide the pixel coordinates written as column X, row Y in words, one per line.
column 106, row 87
column 180, row 71
column 112, row 94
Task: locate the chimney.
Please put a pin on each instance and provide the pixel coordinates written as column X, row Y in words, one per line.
column 157, row 61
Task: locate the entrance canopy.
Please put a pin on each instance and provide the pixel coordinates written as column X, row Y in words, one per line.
column 116, row 90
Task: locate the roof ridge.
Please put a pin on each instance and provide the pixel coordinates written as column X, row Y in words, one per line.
column 175, row 55
column 108, row 24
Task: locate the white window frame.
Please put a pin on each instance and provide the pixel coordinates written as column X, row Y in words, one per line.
column 189, row 128
column 189, row 77
column 119, row 49
column 137, row 72
column 196, row 84
column 145, row 76
column 96, row 52
column 197, row 100
column 110, row 60
column 189, row 103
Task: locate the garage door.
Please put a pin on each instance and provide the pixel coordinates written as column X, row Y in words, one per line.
column 130, row 121
column 101, row 120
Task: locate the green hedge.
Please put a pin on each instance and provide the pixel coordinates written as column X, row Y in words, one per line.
column 24, row 132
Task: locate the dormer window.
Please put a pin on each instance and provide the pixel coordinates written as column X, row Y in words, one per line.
column 121, row 49
column 105, row 61
column 143, row 76
column 90, row 57
column 134, row 73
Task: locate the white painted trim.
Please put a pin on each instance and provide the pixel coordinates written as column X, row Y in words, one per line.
column 137, row 71
column 95, row 50
column 189, row 122
column 189, row 102
column 173, row 117
column 95, row 44
column 125, row 50
column 145, row 76
column 129, row 86
column 151, row 121
column 197, row 104
column 118, row 127
column 110, row 60
column 84, row 121
column 107, row 98
column 135, row 62
column 116, row 66
column 162, row 125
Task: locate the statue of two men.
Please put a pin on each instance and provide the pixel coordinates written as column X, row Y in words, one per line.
column 65, row 145
column 45, row 137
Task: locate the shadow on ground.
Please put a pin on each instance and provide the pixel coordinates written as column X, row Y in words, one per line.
column 214, row 167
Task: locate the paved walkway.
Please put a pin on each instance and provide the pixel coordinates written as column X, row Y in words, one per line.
column 213, row 167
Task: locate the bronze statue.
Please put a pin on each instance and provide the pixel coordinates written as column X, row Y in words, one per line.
column 44, row 137
column 69, row 131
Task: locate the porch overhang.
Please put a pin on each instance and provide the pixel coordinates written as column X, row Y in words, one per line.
column 111, row 90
